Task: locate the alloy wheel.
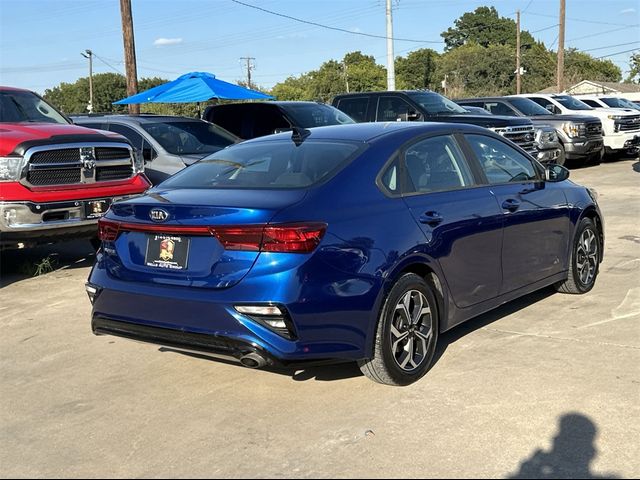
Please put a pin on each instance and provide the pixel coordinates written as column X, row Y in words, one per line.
column 411, row 330
column 587, row 256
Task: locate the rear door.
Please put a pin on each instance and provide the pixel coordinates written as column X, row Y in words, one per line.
column 536, row 215
column 461, row 221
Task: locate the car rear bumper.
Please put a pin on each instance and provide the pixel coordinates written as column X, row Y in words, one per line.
column 323, row 328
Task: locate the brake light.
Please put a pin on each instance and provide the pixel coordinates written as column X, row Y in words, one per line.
column 283, row 238
column 286, row 238
column 248, row 238
column 296, row 238
column 108, row 230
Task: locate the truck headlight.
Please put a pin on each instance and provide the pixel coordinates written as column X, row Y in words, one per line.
column 615, row 117
column 10, row 168
column 574, row 129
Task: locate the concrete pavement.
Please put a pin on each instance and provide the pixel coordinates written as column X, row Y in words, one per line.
column 546, row 386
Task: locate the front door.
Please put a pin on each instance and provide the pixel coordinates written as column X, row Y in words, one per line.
column 461, row 221
column 536, row 217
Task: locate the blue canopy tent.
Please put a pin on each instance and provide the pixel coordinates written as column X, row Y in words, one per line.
column 194, row 87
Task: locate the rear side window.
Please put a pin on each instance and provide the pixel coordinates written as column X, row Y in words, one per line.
column 436, row 164
column 270, row 165
column 592, row 103
column 356, row 108
column 500, row 162
column 309, row 115
column 499, row 108
column 391, row 109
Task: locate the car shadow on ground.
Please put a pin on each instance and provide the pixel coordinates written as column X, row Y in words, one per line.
column 572, row 452
column 18, row 265
column 346, row 370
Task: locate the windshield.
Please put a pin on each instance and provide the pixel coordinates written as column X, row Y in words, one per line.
column 571, row 103
column 528, row 107
column 189, row 137
column 618, row 102
column 316, row 115
column 271, row 164
column 435, row 104
column 18, row 106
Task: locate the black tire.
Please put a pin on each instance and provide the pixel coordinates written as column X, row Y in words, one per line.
column 421, row 336
column 577, row 281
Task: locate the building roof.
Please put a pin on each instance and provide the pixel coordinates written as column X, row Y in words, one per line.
column 607, row 87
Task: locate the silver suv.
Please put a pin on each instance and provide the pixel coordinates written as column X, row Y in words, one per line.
column 166, row 143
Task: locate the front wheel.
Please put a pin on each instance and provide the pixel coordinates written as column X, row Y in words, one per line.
column 584, row 263
column 406, row 334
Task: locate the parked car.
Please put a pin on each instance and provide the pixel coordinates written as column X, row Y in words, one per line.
column 167, row 143
column 607, row 101
column 56, row 178
column 620, row 129
column 428, row 106
column 256, row 119
column 580, row 137
column 359, row 242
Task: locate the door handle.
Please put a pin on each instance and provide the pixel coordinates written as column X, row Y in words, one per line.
column 431, row 218
column 511, row 204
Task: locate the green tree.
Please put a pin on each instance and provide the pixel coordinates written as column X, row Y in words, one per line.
column 485, row 27
column 634, row 65
column 417, row 69
column 580, row 66
column 473, row 70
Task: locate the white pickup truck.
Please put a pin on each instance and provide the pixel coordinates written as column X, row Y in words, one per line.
column 620, row 128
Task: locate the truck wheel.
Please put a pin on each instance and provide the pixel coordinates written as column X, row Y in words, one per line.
column 584, row 262
column 406, row 334
column 562, row 157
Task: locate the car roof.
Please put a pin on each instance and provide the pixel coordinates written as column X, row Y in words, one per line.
column 367, row 132
column 139, row 119
column 12, row 89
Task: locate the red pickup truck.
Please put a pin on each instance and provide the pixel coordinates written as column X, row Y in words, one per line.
column 56, row 178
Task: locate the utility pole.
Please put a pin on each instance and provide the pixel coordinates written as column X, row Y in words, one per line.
column 249, row 68
column 89, row 54
column 129, row 53
column 560, row 73
column 346, row 75
column 518, row 53
column 391, row 71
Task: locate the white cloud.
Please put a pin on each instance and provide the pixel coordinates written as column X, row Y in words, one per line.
column 627, row 10
column 161, row 42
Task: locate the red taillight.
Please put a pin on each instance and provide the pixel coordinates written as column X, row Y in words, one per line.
column 283, row 238
column 286, row 238
column 294, row 238
column 108, row 230
column 246, row 238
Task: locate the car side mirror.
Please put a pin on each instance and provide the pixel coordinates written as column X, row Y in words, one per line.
column 410, row 116
column 551, row 108
column 556, row 173
column 147, row 154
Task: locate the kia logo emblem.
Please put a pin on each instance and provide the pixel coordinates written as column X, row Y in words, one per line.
column 158, row 215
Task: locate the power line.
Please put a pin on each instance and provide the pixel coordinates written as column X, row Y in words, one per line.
column 543, row 29
column 617, row 53
column 596, row 22
column 612, row 46
column 107, row 64
column 527, row 7
column 330, row 27
column 603, row 33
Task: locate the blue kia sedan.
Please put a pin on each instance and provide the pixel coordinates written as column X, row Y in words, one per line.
column 357, row 242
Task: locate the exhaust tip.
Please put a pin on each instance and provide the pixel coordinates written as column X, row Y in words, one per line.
column 253, row 360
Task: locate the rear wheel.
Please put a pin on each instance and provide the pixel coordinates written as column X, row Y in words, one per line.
column 406, row 334
column 584, row 263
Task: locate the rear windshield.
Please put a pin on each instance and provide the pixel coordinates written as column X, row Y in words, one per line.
column 316, row 115
column 271, row 164
column 189, row 137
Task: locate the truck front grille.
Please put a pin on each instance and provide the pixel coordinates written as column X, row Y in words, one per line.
column 628, row 124
column 523, row 136
column 73, row 164
column 594, row 129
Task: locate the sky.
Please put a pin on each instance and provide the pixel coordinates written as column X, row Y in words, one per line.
column 41, row 40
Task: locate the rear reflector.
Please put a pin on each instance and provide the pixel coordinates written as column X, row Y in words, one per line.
column 283, row 238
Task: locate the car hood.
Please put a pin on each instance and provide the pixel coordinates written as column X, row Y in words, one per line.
column 547, row 119
column 487, row 121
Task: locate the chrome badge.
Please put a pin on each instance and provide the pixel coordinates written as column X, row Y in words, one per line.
column 88, row 158
column 158, row 215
